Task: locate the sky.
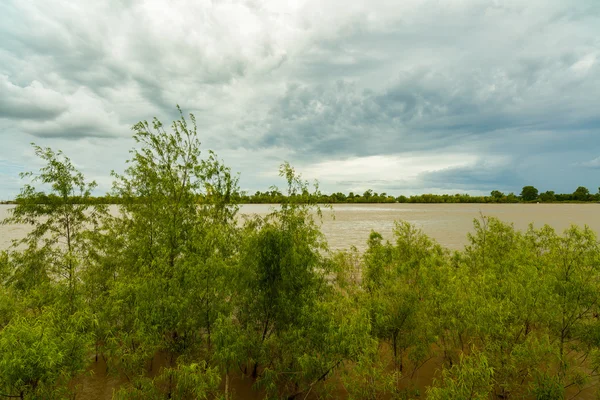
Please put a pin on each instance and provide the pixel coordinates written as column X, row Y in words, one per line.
column 402, row 97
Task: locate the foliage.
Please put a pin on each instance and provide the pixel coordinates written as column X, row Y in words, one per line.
column 581, row 194
column 40, row 354
column 471, row 378
column 529, row 193
column 44, row 341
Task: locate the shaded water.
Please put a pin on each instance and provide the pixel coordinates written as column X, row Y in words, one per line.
column 98, row 384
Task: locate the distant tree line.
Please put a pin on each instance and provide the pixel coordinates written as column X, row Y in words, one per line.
column 529, row 194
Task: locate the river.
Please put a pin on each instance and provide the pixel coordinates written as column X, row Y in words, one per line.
column 350, row 224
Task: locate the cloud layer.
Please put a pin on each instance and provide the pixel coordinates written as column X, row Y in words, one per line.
column 404, row 97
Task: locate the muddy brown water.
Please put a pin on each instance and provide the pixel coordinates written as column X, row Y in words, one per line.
column 448, row 224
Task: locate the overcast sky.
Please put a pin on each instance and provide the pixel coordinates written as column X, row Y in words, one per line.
column 399, row 96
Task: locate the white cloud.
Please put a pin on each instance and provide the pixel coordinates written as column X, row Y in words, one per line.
column 31, row 101
column 86, row 116
column 584, row 64
column 595, row 163
column 385, row 168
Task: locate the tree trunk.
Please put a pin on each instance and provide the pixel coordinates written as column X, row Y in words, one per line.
column 227, row 385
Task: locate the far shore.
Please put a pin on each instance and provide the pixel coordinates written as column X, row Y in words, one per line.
column 14, row 203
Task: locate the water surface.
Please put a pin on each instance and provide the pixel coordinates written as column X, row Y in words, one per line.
column 350, row 224
column 448, row 224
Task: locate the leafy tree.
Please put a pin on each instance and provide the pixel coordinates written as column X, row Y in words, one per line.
column 529, row 193
column 572, row 262
column 38, row 357
column 511, row 198
column 472, row 378
column 371, row 379
column 507, row 306
column 392, row 277
column 167, row 282
column 581, row 194
column 279, row 259
column 496, row 194
column 548, row 196
column 61, row 221
column 297, row 329
column 46, row 343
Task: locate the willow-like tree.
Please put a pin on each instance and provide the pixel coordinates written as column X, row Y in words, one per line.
column 60, row 220
column 46, row 340
column 393, row 280
column 167, row 280
column 296, row 328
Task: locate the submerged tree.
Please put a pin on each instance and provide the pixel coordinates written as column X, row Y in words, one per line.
column 298, row 330
column 60, row 220
column 47, row 344
column 167, row 282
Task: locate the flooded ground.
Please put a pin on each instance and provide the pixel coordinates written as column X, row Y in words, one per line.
column 446, row 223
column 349, row 225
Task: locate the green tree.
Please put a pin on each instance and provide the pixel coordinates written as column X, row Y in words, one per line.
column 46, row 342
column 529, row 193
column 581, row 194
column 496, row 194
column 38, row 356
column 548, row 196
column 508, row 304
column 471, row 379
column 393, row 279
column 167, row 281
column 572, row 261
column 61, row 222
column 297, row 329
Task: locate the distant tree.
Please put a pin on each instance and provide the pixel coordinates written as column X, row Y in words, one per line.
column 497, row 194
column 564, row 197
column 581, row 194
column 529, row 193
column 512, row 198
column 340, row 196
column 548, row 196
